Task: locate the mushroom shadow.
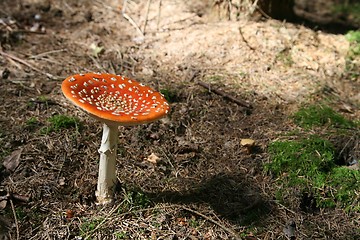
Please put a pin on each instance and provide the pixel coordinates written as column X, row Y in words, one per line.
column 231, row 196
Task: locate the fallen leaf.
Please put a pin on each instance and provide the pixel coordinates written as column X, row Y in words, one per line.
column 12, row 161
column 3, row 204
column 62, row 181
column 153, row 158
column 69, row 214
column 181, row 221
column 96, row 49
column 247, row 142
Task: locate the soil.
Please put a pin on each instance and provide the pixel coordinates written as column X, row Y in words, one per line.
column 205, row 185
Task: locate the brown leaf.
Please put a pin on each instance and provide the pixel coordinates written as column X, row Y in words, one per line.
column 153, row 158
column 69, row 214
column 247, row 142
column 3, row 204
column 12, row 161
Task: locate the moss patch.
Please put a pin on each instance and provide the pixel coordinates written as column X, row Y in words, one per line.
column 58, row 122
column 320, row 115
column 353, row 55
column 308, row 165
column 350, row 10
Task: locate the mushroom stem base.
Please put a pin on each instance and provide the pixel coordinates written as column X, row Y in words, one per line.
column 107, row 166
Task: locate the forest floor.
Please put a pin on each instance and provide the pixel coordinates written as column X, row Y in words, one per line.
column 204, row 184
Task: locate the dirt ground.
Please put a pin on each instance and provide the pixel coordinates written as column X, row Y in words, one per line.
column 204, row 185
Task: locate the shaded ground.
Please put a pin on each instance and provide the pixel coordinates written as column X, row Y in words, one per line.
column 205, row 185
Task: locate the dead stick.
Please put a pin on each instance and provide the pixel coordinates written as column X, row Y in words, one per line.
column 19, row 60
column 14, row 196
column 146, row 15
column 158, row 16
column 130, row 20
column 28, row 32
column 213, row 221
column 245, row 41
column 21, row 198
column 15, row 219
column 225, row 95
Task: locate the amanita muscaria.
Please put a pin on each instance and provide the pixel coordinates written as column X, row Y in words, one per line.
column 114, row 100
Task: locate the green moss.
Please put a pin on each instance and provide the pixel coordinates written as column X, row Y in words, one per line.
column 43, row 99
column 353, row 55
column 89, row 225
column 215, row 78
column 320, row 115
column 169, row 95
column 285, row 57
column 301, row 158
column 194, row 223
column 121, row 235
column 58, row 122
column 353, row 36
column 309, row 165
column 350, row 10
column 346, row 183
column 133, row 200
column 32, row 123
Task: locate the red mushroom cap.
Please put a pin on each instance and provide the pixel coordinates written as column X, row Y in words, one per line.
column 114, row 98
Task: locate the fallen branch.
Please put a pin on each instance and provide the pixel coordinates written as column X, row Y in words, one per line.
column 130, row 20
column 146, row 16
column 23, row 31
column 14, row 196
column 232, row 232
column 15, row 219
column 245, row 40
column 22, row 61
column 225, row 95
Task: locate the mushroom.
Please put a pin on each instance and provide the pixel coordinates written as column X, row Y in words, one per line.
column 115, row 101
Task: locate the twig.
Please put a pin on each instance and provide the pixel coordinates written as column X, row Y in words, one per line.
column 146, row 15
column 103, row 221
column 262, row 12
column 283, row 207
column 159, row 15
column 225, row 95
column 253, row 7
column 22, row 61
column 97, row 63
column 194, row 75
column 213, row 221
column 245, row 41
column 47, row 53
column 27, row 32
column 130, row 20
column 14, row 196
column 114, row 209
column 15, row 219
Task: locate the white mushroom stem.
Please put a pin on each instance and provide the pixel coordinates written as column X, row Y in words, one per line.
column 107, row 167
